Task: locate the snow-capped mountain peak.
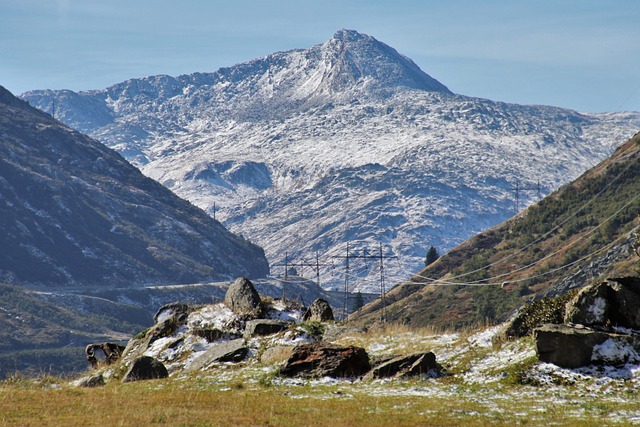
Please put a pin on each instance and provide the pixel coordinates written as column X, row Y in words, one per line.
column 359, row 60
column 305, row 150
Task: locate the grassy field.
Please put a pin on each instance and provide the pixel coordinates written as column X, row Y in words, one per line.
column 205, row 401
column 503, row 386
column 486, row 385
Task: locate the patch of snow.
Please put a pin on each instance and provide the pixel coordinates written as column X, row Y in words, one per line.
column 597, row 309
column 483, row 338
column 614, row 351
column 215, row 316
column 293, row 337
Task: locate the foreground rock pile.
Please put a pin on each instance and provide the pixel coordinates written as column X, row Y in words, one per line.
column 246, row 328
column 600, row 324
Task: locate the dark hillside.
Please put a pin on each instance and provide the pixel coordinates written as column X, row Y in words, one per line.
column 580, row 233
column 74, row 213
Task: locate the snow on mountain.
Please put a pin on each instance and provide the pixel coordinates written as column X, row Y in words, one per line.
column 347, row 141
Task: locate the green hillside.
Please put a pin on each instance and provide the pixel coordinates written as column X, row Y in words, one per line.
column 582, row 232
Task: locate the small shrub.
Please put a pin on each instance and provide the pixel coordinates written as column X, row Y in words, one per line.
column 313, row 329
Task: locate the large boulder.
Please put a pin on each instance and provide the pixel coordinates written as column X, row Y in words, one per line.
column 571, row 347
column 611, row 303
column 145, row 368
column 406, row 366
column 322, row 360
column 318, row 311
column 243, row 299
column 627, row 302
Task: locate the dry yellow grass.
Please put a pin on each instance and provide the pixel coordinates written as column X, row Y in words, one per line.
column 203, row 401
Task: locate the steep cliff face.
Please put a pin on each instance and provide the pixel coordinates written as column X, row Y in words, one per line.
column 74, row 213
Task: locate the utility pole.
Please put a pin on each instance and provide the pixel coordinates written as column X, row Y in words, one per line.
column 519, row 188
column 365, row 255
column 383, row 290
column 346, row 286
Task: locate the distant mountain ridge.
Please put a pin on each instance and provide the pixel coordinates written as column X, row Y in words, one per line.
column 347, row 141
column 74, row 213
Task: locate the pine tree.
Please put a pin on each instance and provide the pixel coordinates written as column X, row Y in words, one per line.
column 432, row 256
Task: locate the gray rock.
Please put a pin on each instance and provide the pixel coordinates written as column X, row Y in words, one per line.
column 145, row 368
column 571, row 347
column 611, row 303
column 261, row 327
column 211, row 335
column 276, row 354
column 243, row 299
column 626, row 312
column 406, row 366
column 333, row 332
column 591, row 306
column 322, row 360
column 565, row 346
column 92, row 381
column 319, row 311
column 174, row 309
column 230, row 351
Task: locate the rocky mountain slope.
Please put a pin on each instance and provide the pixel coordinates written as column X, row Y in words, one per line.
column 582, row 233
column 348, row 141
column 74, row 213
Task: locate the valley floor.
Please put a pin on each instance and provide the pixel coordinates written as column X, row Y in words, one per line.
column 487, row 386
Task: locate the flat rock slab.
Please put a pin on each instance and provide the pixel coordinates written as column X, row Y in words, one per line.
column 406, row 366
column 262, row 327
column 230, row 351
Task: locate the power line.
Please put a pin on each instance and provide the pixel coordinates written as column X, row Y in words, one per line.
column 584, row 236
column 366, row 255
column 551, row 231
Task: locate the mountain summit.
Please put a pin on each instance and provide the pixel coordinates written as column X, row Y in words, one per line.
column 313, row 149
column 352, row 60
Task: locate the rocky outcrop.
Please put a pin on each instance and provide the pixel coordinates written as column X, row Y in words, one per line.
column 324, row 360
column 406, row 366
column 599, row 327
column 145, row 368
column 318, row 311
column 243, row 299
column 90, row 381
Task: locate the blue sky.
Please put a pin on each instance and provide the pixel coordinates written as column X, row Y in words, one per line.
column 580, row 54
